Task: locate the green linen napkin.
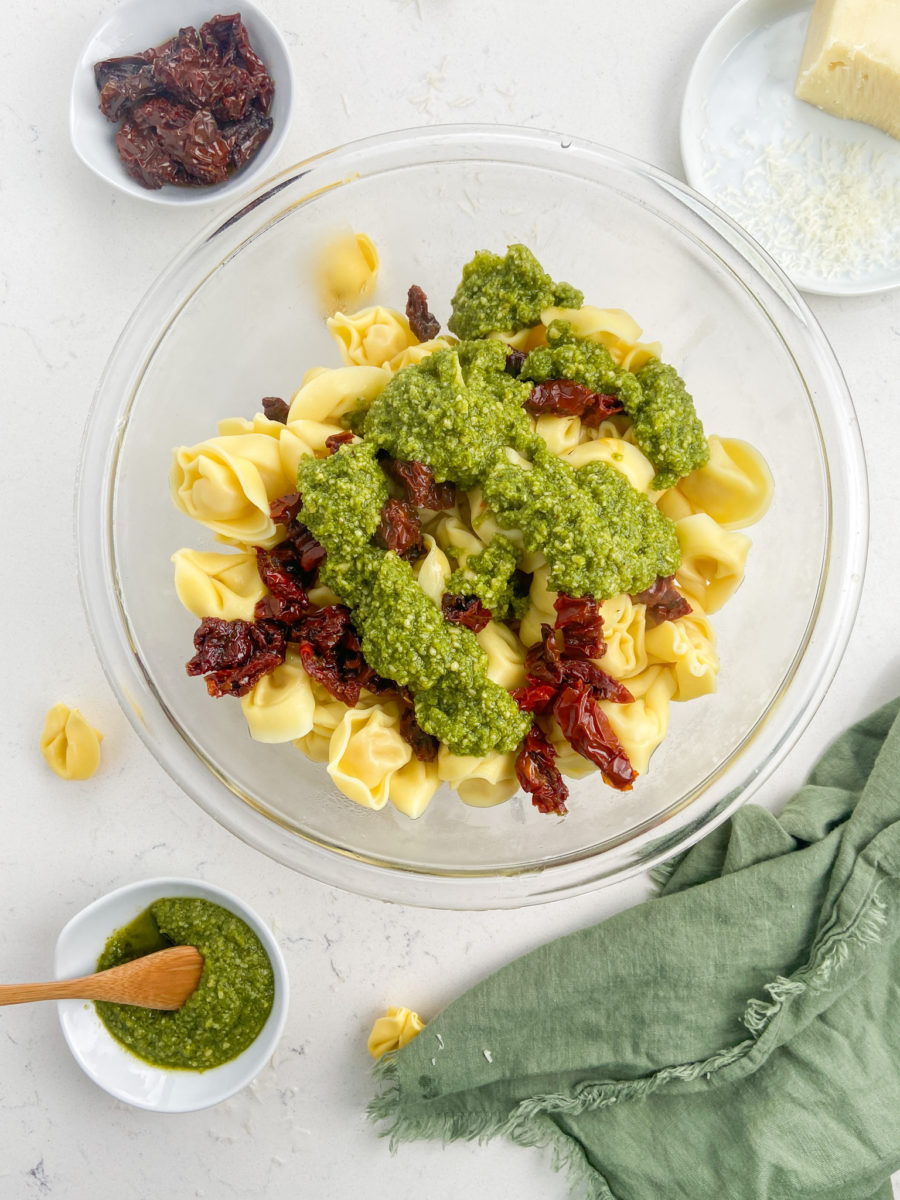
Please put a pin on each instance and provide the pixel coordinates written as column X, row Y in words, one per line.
column 736, row 1037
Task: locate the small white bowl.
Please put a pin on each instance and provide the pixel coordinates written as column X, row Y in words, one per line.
column 105, row 1060
column 136, row 25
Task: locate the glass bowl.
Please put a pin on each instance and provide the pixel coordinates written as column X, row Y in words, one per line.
column 236, row 318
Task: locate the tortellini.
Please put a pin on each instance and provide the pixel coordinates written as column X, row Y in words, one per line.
column 365, row 752
column 506, row 655
column 372, row 337
column 712, row 561
column 689, row 645
column 623, row 456
column 613, row 327
column 413, row 786
column 480, row 782
column 346, row 271
column 331, row 394
column 397, row 1027
column 641, row 726
column 69, row 744
column 433, row 570
column 281, row 706
column 735, row 487
column 624, row 631
column 226, row 586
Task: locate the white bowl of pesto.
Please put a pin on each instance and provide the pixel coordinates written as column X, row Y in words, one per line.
column 629, row 237
column 234, row 934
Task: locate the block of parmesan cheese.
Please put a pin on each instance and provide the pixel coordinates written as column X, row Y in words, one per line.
column 851, row 61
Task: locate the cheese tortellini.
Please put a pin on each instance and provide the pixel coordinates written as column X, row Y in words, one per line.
column 70, row 746
column 228, row 482
column 397, row 1027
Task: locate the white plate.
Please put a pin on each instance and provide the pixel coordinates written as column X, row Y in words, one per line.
column 135, row 25
column 784, row 170
column 105, row 1060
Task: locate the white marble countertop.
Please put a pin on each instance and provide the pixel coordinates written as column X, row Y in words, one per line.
column 77, row 257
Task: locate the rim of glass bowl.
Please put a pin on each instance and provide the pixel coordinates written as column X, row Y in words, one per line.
column 773, row 734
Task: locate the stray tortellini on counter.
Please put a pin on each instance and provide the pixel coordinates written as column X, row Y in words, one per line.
column 397, row 1027
column 69, row 744
column 280, row 707
column 210, row 584
column 346, row 271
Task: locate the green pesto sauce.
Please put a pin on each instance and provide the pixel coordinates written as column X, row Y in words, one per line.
column 666, row 427
column 488, row 576
column 599, row 535
column 433, row 413
column 232, row 1001
column 501, row 295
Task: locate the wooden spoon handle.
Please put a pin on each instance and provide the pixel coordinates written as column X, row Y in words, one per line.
column 163, row 980
column 62, row 989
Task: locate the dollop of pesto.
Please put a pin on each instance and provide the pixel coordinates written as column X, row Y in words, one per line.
column 488, row 576
column 664, row 423
column 666, row 426
column 501, row 295
column 343, row 495
column 231, row 1004
column 600, row 536
column 432, row 412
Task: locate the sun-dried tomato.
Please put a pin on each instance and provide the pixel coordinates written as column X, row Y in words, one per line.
column 465, row 610
column 535, row 697
column 424, row 745
column 586, row 728
column 579, row 619
column 335, row 440
column 193, row 109
column 538, row 774
column 515, row 361
column 275, row 408
column 417, row 481
column 331, row 653
column 663, row 600
column 423, row 323
column 285, row 508
column 565, row 397
column 311, row 553
column 234, row 655
column 546, row 663
column 400, row 530
column 543, row 660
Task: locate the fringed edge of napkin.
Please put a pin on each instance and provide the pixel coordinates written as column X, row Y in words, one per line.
column 530, row 1123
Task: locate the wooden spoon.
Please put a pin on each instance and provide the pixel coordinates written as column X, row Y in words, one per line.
column 162, row 980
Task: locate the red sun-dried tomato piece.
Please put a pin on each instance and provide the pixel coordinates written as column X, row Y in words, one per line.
column 465, row 610
column 400, row 530
column 535, row 697
column 192, row 69
column 579, row 620
column 423, row 323
column 124, row 82
column 310, row 552
column 285, row 508
column 546, row 663
column 276, row 409
column 229, row 35
column 543, row 660
column 565, row 397
column 417, row 481
column 190, row 138
column 234, row 655
column 538, row 774
column 424, row 745
column 663, row 600
column 331, row 653
column 586, row 728
column 335, row 440
column 515, row 361
column 145, row 160
column 245, row 137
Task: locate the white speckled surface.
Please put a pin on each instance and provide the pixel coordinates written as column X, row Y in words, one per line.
column 76, row 258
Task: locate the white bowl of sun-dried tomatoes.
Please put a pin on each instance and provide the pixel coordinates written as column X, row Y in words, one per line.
column 179, row 104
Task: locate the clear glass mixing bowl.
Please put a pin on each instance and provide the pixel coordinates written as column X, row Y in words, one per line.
column 236, row 317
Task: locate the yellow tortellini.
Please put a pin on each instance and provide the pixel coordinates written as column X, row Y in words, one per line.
column 613, row 328
column 480, row 782
column 562, row 434
column 624, row 631
column 506, row 655
column 69, row 744
column 210, row 584
column 365, row 752
column 416, row 352
column 281, row 706
column 623, row 456
column 432, row 570
column 227, row 484
column 641, row 726
column 397, row 1027
column 455, row 537
column 712, row 561
column 346, row 271
column 689, row 645
column 371, row 337
column 735, row 487
column 541, row 610
column 413, row 785
column 331, row 394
